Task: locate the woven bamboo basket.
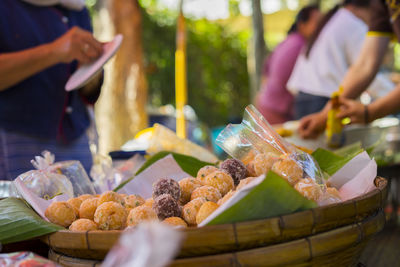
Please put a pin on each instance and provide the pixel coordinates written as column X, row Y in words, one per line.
column 235, row 237
column 338, row 247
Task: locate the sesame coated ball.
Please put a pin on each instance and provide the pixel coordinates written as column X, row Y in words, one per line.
column 166, row 186
column 235, row 168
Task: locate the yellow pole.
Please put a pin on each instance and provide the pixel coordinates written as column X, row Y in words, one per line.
column 180, row 77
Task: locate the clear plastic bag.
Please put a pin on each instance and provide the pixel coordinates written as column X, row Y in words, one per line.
column 45, row 183
column 24, row 259
column 150, row 244
column 261, row 149
column 76, row 174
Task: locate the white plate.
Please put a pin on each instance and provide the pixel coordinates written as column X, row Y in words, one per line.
column 86, row 72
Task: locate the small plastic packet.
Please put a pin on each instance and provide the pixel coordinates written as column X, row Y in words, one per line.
column 107, row 177
column 43, row 182
column 24, row 259
column 261, row 149
column 76, row 174
column 150, row 244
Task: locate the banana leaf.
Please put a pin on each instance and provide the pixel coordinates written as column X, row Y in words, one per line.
column 18, row 222
column 272, row 197
column 189, row 164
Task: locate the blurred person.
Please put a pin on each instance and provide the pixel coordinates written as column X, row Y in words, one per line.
column 384, row 24
column 332, row 49
column 41, row 45
column 274, row 101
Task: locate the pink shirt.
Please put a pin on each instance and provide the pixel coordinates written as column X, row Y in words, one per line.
column 274, row 95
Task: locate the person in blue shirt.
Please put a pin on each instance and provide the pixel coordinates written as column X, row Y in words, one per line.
column 41, row 44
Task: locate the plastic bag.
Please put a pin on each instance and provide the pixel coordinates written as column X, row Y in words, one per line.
column 43, row 182
column 25, row 258
column 150, row 244
column 255, row 136
column 107, row 177
column 76, row 174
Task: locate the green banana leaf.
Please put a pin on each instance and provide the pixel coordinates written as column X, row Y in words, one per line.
column 331, row 162
column 189, row 164
column 18, row 222
column 272, row 197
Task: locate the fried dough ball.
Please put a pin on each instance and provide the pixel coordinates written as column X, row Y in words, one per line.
column 220, row 180
column 205, row 210
column 188, row 185
column 309, row 189
column 288, row 169
column 175, row 221
column 140, row 214
column 166, row 206
column 263, row 162
column 235, row 168
column 133, row 201
column 149, row 202
column 189, row 211
column 110, row 196
column 86, row 196
column 206, row 170
column 207, row 192
column 110, row 216
column 61, row 213
column 250, row 169
column 166, row 186
column 245, row 182
column 83, row 225
column 330, row 196
column 226, row 197
column 88, row 208
column 75, row 203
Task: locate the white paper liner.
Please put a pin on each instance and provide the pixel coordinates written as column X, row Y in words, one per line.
column 142, row 184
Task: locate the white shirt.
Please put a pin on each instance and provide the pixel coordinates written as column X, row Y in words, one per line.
column 335, row 50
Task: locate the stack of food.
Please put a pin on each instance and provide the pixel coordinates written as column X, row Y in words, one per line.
column 183, row 203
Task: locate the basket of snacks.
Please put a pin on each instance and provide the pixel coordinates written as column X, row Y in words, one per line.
column 270, row 199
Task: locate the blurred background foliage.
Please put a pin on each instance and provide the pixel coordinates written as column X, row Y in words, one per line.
column 218, row 81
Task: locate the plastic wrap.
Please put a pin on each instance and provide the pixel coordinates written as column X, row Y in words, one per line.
column 25, row 259
column 76, row 174
column 43, row 182
column 257, row 145
column 150, row 244
column 107, row 177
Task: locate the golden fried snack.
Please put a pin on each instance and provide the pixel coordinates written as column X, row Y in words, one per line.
column 83, row 225
column 207, row 192
column 85, row 196
column 175, row 221
column 206, row 170
column 220, row 180
column 245, row 182
column 149, row 202
column 75, row 203
column 140, row 214
column 188, row 185
column 88, row 208
column 133, row 201
column 309, row 189
column 288, row 169
column 189, row 211
column 61, row 213
column 110, row 196
column 205, row 210
column 331, row 196
column 226, row 197
column 263, row 162
column 110, row 216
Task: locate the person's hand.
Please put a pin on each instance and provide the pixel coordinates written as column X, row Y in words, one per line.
column 77, row 44
column 312, row 125
column 352, row 109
